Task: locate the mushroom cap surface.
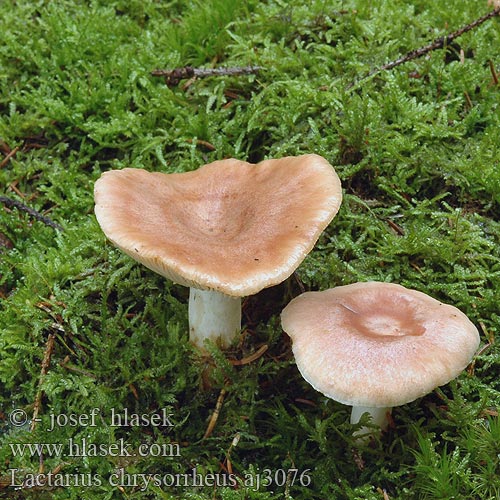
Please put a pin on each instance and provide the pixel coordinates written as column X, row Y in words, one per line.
column 230, row 226
column 377, row 344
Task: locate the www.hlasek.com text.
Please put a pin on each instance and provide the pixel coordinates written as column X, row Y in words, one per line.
column 86, row 448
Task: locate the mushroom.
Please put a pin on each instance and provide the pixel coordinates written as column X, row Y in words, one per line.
column 226, row 230
column 377, row 345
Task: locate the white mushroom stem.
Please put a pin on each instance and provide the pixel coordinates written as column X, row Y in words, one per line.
column 214, row 316
column 378, row 415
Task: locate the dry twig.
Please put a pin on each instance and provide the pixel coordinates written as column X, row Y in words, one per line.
column 493, row 72
column 49, row 347
column 249, row 359
column 8, row 156
column 215, row 414
column 234, row 443
column 9, row 203
column 65, row 364
column 383, row 492
column 439, row 43
column 174, row 76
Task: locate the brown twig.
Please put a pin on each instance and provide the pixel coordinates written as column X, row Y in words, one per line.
column 482, row 350
column 468, row 100
column 8, row 156
column 383, row 492
column 493, row 72
column 13, row 187
column 396, row 227
column 249, row 359
column 488, row 412
column 234, row 443
column 306, row 402
column 174, row 76
column 299, row 282
column 205, row 144
column 215, row 414
column 437, row 44
column 65, row 364
column 49, row 347
column 9, row 202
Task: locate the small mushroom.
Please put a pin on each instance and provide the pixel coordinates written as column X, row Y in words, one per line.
column 226, row 230
column 377, row 345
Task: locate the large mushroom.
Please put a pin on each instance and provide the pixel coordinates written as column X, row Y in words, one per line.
column 377, row 345
column 226, row 230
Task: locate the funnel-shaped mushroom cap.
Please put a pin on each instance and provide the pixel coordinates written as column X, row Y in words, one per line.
column 377, row 344
column 229, row 226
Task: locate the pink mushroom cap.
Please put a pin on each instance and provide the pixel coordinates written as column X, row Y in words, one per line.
column 377, row 344
column 230, row 226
